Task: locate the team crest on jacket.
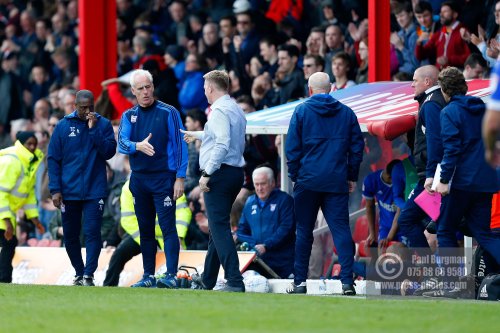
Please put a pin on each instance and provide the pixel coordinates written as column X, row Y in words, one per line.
column 272, row 207
column 133, row 119
column 72, row 129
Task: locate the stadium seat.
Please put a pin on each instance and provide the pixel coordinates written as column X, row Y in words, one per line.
column 32, row 242
column 361, row 230
column 44, row 242
column 55, row 243
column 363, row 249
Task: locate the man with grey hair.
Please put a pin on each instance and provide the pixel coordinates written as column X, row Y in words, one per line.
column 267, row 224
column 149, row 134
column 324, row 149
column 221, row 159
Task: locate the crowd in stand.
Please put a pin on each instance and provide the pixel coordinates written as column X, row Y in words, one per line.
column 269, row 48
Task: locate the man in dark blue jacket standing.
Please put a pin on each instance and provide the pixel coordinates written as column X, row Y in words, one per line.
column 267, row 223
column 467, row 182
column 78, row 150
column 324, row 149
column 149, row 134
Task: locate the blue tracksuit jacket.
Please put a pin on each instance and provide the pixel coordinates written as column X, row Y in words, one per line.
column 463, row 160
column 272, row 225
column 324, row 146
column 163, row 122
column 77, row 158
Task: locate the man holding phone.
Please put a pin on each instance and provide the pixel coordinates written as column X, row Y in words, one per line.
column 78, row 150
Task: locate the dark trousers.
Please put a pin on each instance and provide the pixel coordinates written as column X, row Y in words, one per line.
column 336, row 211
column 224, row 185
column 476, row 208
column 410, row 221
column 7, row 251
column 71, row 222
column 153, row 195
column 126, row 250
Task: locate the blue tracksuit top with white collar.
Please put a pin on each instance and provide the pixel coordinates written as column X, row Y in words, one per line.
column 77, row 158
column 163, row 122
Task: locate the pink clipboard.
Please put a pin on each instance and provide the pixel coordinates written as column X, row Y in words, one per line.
column 430, row 203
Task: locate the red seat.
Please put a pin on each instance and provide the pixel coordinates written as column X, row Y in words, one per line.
column 361, row 229
column 363, row 250
column 44, row 242
column 55, row 243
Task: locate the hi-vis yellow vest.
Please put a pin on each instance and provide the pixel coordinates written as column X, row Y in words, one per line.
column 129, row 222
column 17, row 182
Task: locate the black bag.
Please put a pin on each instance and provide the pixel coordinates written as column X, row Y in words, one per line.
column 490, row 288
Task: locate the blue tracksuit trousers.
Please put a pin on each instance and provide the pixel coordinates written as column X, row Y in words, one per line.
column 153, row 195
column 72, row 224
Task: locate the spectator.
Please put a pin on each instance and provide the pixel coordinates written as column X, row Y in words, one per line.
column 331, row 13
column 12, row 106
column 362, row 74
column 316, row 42
column 267, row 224
column 248, row 34
column 191, row 93
column 269, row 53
column 262, row 93
column 311, row 65
column 40, row 84
column 227, row 27
column 291, row 82
column 179, row 31
column 174, row 58
column 446, row 45
column 334, row 40
column 41, row 113
column 341, row 64
column 475, row 67
column 64, row 68
column 405, row 39
column 212, row 44
column 426, row 25
column 195, row 121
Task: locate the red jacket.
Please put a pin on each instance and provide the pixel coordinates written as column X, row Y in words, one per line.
column 456, row 52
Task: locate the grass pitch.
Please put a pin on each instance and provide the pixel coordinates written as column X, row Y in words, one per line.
column 34, row 308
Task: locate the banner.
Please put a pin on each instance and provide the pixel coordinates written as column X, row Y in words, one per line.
column 51, row 266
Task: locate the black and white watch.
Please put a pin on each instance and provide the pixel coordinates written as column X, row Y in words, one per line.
column 205, row 174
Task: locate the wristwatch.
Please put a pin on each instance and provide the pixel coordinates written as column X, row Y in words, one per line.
column 205, row 174
column 444, row 181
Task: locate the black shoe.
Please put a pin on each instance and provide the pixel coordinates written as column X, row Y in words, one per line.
column 88, row 281
column 231, row 289
column 348, row 289
column 431, row 284
column 297, row 289
column 197, row 282
column 465, row 289
column 78, row 281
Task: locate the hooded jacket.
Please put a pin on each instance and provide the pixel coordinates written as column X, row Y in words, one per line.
column 18, row 168
column 463, row 161
column 324, row 145
column 77, row 158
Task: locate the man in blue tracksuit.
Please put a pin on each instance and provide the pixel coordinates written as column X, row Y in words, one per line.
column 267, row 223
column 324, row 149
column 78, row 150
column 467, row 182
column 149, row 134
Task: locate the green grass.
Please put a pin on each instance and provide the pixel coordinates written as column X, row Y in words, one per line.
column 26, row 308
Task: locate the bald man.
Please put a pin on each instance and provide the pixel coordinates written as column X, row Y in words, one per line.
column 80, row 145
column 428, row 152
column 324, row 149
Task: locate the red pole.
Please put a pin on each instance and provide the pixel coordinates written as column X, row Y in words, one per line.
column 379, row 32
column 97, row 48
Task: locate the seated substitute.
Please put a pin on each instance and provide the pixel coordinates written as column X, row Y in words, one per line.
column 267, row 224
